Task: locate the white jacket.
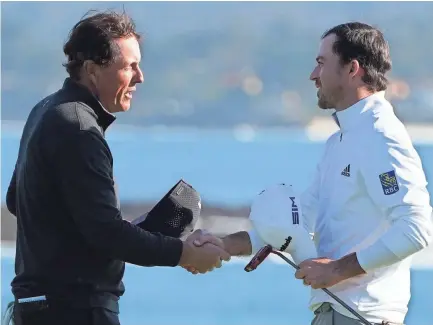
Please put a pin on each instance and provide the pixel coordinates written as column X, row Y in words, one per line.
column 369, row 196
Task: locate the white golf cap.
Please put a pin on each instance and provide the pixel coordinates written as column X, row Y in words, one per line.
column 276, row 216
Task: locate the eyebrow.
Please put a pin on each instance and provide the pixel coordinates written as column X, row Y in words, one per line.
column 132, row 61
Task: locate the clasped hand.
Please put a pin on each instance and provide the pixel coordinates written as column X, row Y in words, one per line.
column 318, row 273
column 203, row 253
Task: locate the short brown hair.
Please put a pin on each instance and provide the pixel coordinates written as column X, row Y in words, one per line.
column 92, row 38
column 367, row 45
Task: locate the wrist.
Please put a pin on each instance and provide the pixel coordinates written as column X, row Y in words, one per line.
column 228, row 245
column 237, row 244
column 347, row 267
column 338, row 270
column 184, row 260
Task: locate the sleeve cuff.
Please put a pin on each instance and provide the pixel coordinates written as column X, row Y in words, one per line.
column 173, row 252
column 376, row 256
column 256, row 241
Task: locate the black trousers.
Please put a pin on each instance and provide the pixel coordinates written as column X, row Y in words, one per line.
column 55, row 313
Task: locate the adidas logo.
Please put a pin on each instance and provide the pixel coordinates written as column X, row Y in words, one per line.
column 346, row 171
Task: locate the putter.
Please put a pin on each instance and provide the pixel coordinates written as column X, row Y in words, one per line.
column 264, row 252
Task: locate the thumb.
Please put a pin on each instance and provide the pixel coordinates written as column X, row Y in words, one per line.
column 224, row 255
column 202, row 238
column 207, row 238
column 198, row 242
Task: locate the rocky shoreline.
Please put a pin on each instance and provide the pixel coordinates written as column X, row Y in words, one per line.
column 215, row 218
column 218, row 220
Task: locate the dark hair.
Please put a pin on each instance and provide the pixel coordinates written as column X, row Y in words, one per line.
column 92, row 38
column 367, row 45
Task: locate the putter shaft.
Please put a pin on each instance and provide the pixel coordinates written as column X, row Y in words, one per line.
column 354, row 312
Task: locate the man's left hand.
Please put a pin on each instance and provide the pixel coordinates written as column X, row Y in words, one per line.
column 319, row 273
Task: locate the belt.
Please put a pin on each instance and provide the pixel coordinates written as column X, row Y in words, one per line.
column 102, row 300
column 107, row 301
column 326, row 307
column 323, row 308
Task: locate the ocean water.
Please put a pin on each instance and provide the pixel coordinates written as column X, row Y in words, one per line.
column 228, row 296
column 227, row 169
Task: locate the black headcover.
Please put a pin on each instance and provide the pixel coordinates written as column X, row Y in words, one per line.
column 176, row 214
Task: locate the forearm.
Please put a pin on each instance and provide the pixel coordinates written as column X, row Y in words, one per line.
column 121, row 240
column 348, row 266
column 104, row 229
column 238, row 244
column 405, row 237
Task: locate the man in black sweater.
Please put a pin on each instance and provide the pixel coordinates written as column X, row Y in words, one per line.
column 72, row 242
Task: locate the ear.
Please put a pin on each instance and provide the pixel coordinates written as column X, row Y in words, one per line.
column 91, row 70
column 355, row 69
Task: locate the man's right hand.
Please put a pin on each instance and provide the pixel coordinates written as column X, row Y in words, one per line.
column 237, row 244
column 202, row 258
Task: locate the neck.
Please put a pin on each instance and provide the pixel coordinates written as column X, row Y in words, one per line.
column 86, row 83
column 352, row 98
column 89, row 86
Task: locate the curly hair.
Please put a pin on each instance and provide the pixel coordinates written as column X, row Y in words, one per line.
column 93, row 38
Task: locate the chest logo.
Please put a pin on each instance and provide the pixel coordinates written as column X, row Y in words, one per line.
column 346, row 171
column 389, row 183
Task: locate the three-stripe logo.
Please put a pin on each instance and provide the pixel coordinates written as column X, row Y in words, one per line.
column 346, row 171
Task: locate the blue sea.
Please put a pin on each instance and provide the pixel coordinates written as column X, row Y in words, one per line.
column 228, row 296
column 227, row 170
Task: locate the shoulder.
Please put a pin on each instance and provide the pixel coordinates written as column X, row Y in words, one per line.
column 72, row 124
column 71, row 116
column 386, row 131
column 385, row 137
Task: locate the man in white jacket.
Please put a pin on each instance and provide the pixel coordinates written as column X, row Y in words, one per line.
column 368, row 206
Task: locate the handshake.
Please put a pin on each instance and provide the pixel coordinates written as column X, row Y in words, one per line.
column 276, row 220
column 275, row 216
column 203, row 252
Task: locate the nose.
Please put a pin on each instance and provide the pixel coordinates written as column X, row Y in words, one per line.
column 139, row 77
column 314, row 74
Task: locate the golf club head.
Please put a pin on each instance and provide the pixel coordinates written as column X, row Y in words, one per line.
column 260, row 256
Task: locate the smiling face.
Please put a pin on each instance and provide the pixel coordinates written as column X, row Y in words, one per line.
column 115, row 83
column 328, row 75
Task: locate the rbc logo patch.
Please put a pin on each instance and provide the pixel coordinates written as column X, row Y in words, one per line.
column 389, row 183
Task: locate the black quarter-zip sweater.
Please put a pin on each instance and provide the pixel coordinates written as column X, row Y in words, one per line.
column 71, row 237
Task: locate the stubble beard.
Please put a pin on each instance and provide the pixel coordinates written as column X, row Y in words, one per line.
column 322, row 101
